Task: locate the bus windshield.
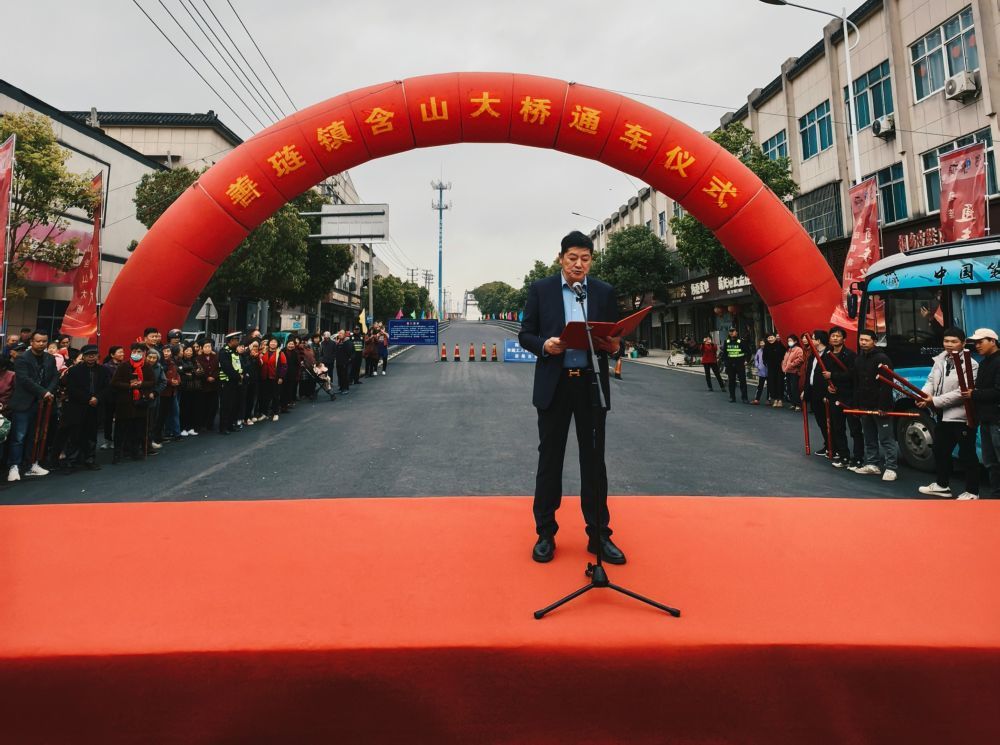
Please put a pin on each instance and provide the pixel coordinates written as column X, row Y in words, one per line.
column 910, row 323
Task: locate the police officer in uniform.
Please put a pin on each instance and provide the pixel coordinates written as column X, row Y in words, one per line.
column 735, row 354
column 231, row 380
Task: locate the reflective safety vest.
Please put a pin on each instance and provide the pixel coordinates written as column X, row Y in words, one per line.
column 359, row 345
column 237, row 367
column 732, row 348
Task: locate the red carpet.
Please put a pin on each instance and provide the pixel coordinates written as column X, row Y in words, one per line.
column 410, row 620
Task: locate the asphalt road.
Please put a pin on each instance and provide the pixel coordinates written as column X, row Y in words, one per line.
column 468, row 428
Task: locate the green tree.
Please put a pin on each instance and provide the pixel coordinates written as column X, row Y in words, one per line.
column 696, row 244
column 636, row 261
column 276, row 261
column 325, row 263
column 157, row 191
column 495, row 297
column 43, row 190
column 389, row 297
column 539, row 271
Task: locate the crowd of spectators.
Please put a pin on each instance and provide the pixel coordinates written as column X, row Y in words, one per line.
column 57, row 402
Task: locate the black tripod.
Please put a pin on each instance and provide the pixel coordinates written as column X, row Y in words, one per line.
column 598, row 576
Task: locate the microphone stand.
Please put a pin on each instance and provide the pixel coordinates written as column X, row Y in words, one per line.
column 597, row 573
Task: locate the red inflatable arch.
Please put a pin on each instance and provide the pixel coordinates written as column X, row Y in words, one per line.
column 178, row 256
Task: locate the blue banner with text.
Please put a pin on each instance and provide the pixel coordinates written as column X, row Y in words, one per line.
column 514, row 352
column 417, row 332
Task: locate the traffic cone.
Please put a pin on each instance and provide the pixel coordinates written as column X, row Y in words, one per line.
column 494, row 357
column 472, row 353
column 458, row 354
column 444, row 352
column 618, row 369
column 482, row 357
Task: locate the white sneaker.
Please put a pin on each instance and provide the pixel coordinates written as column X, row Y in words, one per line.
column 869, row 470
column 155, row 445
column 105, row 445
column 249, row 422
column 184, row 433
column 889, row 475
column 193, row 433
column 963, row 495
column 935, row 489
column 36, row 470
column 383, row 372
column 274, row 418
column 14, row 474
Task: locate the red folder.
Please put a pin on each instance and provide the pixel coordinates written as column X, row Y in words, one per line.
column 574, row 336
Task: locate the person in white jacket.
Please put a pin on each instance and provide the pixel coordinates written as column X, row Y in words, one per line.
column 944, row 394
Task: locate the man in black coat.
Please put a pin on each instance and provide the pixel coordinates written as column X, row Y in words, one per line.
column 88, row 386
column 873, row 395
column 815, row 388
column 840, row 366
column 564, row 390
column 986, row 400
column 35, row 381
column 345, row 351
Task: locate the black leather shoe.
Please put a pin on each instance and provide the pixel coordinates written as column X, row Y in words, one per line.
column 544, row 550
column 609, row 551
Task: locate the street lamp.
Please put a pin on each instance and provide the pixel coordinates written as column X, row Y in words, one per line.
column 852, row 130
column 600, row 225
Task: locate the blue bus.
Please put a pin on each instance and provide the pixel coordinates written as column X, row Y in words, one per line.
column 909, row 299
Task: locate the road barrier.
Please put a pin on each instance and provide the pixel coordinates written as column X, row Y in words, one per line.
column 494, row 358
column 444, row 352
column 483, row 355
column 458, row 354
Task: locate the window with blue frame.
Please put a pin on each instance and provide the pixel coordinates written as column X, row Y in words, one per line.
column 776, row 147
column 816, row 130
column 932, row 166
column 872, row 96
column 663, row 224
column 891, row 193
column 947, row 50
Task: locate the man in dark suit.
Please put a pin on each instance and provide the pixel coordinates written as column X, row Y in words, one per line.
column 564, row 390
column 35, row 381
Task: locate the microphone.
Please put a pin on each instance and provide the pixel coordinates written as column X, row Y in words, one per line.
column 581, row 292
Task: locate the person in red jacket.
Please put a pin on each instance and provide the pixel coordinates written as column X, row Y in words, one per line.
column 710, row 361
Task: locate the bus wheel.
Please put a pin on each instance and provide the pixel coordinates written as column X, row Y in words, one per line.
column 916, row 440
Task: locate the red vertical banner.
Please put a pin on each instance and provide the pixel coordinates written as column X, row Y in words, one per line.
column 6, row 181
column 963, row 193
column 81, row 316
column 865, row 247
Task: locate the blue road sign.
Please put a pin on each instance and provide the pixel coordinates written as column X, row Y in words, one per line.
column 416, row 332
column 514, row 352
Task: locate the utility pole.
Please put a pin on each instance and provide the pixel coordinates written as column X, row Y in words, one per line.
column 428, row 278
column 413, row 275
column 440, row 206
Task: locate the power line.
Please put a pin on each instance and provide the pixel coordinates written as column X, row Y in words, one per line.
column 212, row 65
column 257, row 47
column 191, row 65
column 254, row 94
column 245, row 60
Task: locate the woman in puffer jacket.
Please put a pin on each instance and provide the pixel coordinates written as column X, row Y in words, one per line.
column 791, row 366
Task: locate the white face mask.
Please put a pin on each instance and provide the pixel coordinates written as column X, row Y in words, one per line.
column 137, row 356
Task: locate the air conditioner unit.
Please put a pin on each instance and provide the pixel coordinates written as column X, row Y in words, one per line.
column 884, row 127
column 960, row 87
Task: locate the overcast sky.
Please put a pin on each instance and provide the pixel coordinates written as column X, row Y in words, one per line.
column 511, row 205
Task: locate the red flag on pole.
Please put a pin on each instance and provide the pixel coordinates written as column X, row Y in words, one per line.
column 81, row 316
column 865, row 247
column 6, row 180
column 963, row 193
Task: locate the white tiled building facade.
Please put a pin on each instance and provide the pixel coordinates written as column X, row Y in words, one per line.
column 925, row 72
